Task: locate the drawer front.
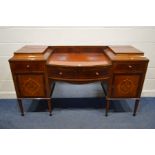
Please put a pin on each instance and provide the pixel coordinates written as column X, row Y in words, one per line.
column 61, row 72
column 77, row 73
column 93, row 73
column 129, row 67
column 27, row 66
column 126, row 86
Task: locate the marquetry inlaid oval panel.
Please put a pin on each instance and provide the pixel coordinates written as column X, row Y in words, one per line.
column 31, row 85
column 125, row 85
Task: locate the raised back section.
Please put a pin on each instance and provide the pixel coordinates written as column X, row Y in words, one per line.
column 80, row 49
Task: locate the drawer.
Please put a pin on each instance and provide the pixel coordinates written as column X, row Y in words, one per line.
column 62, row 72
column 77, row 73
column 93, row 73
column 27, row 66
column 129, row 67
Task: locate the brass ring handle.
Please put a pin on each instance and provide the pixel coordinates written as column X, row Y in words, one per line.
column 60, row 73
column 97, row 73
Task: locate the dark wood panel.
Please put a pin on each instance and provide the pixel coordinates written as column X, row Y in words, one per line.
column 30, row 85
column 125, row 85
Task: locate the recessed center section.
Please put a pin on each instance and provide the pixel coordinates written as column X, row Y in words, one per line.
column 79, row 56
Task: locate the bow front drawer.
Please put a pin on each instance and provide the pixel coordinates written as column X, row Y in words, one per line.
column 77, row 73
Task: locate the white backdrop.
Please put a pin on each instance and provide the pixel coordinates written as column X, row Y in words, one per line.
column 12, row 38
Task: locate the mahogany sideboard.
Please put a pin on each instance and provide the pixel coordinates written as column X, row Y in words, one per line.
column 120, row 70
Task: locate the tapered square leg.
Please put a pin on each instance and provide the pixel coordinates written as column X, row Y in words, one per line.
column 107, row 107
column 136, row 107
column 50, row 107
column 21, row 106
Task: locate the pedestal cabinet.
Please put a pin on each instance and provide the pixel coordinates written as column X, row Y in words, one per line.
column 128, row 73
column 28, row 68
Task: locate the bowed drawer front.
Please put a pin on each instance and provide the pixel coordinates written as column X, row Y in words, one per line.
column 77, row 73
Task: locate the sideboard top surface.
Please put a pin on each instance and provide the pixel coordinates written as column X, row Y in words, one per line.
column 72, row 55
column 125, row 50
column 34, row 49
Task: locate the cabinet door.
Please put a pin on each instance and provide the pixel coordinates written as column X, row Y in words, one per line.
column 30, row 85
column 126, row 85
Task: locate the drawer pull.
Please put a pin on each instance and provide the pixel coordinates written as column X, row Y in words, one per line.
column 130, row 66
column 28, row 66
column 97, row 73
column 60, row 73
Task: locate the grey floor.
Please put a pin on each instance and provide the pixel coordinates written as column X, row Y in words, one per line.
column 84, row 113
